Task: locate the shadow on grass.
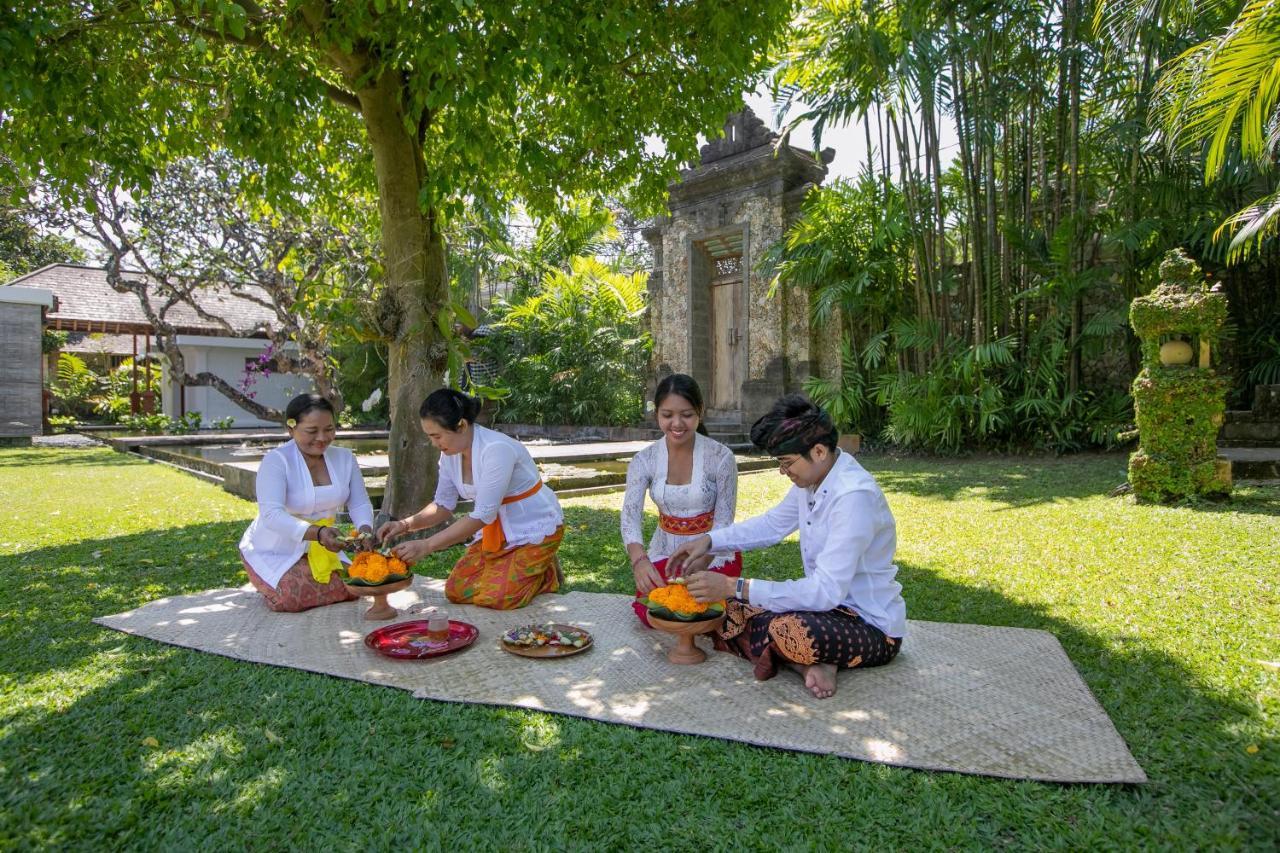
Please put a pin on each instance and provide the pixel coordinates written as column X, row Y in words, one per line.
column 244, row 751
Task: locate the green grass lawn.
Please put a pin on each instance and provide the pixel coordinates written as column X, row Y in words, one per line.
column 1169, row 613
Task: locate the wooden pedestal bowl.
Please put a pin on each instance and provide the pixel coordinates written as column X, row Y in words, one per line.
column 379, row 611
column 685, row 651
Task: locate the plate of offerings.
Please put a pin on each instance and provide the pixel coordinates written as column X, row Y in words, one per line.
column 547, row 640
column 415, row 641
column 354, row 541
column 673, row 610
column 376, row 574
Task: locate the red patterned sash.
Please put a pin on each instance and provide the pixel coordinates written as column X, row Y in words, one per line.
column 687, row 526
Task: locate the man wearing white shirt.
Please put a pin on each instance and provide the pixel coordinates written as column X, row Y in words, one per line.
column 847, row 611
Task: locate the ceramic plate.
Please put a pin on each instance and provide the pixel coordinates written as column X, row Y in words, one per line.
column 551, row 650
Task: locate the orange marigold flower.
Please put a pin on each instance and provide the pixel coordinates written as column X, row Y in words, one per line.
column 676, row 598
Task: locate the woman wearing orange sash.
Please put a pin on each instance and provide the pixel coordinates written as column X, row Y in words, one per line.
column 692, row 479
column 515, row 526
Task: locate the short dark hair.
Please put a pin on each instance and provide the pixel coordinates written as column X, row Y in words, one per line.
column 682, row 385
column 449, row 408
column 304, row 403
column 795, row 424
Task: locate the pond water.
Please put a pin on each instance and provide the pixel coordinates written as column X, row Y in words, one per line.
column 248, row 451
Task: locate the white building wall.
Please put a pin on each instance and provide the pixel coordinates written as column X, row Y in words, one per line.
column 226, row 357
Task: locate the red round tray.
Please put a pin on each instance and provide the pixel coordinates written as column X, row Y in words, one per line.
column 409, row 640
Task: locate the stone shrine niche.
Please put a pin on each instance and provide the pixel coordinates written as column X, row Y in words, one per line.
column 711, row 314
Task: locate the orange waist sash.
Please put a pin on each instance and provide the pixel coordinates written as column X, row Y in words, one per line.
column 492, row 535
column 687, row 526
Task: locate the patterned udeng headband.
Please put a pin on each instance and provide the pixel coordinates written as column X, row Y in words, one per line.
column 798, row 434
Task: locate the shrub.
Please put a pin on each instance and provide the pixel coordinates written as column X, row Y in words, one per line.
column 576, row 352
column 74, row 384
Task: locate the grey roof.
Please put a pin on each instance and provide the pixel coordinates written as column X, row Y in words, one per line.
column 86, row 302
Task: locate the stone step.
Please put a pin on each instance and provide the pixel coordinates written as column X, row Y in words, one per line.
column 568, row 480
column 1246, row 427
column 1252, row 463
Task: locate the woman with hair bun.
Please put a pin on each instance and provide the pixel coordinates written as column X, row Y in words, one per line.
column 692, row 479
column 516, row 524
column 289, row 551
column 847, row 610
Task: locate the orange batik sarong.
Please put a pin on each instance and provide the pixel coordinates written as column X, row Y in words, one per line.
column 507, row 578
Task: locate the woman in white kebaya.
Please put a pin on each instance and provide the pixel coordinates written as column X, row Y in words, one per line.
column 515, row 526
column 290, row 549
column 691, row 478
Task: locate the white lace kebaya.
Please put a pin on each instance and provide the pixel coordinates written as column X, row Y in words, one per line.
column 712, row 488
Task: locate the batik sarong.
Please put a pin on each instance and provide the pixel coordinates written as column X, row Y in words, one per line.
column 771, row 640
column 507, row 578
column 297, row 589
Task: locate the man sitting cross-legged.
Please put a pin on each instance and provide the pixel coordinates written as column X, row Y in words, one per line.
column 847, row 610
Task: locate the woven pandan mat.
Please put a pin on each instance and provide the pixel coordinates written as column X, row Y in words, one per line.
column 966, row 698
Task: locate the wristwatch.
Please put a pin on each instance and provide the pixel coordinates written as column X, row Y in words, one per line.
column 738, row 588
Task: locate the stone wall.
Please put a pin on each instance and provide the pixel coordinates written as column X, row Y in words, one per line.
column 21, row 387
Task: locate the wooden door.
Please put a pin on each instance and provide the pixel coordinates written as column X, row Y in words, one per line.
column 728, row 334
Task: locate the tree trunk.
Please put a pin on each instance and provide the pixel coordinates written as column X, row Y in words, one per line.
column 414, row 250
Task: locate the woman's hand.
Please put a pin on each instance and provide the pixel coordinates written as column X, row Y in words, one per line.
column 366, row 538
column 328, row 537
column 412, row 552
column 706, row 587
column 647, row 577
column 687, row 552
column 392, row 529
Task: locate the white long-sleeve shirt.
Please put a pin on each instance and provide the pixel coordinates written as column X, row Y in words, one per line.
column 847, row 540
column 287, row 495
column 500, row 466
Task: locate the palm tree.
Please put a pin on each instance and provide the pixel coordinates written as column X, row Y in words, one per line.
column 1227, row 82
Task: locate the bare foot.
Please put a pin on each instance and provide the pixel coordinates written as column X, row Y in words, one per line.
column 820, row 678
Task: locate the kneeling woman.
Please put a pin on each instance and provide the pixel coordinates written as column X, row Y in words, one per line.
column 692, row 478
column 289, row 551
column 516, row 521
column 847, row 611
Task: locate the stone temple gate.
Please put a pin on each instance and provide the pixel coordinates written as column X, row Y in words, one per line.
column 711, row 314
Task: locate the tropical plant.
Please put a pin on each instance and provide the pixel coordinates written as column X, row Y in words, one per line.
column 1224, row 94
column 73, row 387
column 1050, row 218
column 575, row 352
column 114, row 399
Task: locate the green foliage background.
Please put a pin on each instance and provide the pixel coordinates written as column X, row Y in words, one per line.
column 574, row 352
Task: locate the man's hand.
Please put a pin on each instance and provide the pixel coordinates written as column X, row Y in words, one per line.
column 706, row 587
column 392, row 529
column 687, row 553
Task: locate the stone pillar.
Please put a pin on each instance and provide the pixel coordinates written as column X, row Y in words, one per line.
column 1179, row 407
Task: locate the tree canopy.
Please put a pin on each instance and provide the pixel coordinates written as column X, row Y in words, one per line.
column 422, row 105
